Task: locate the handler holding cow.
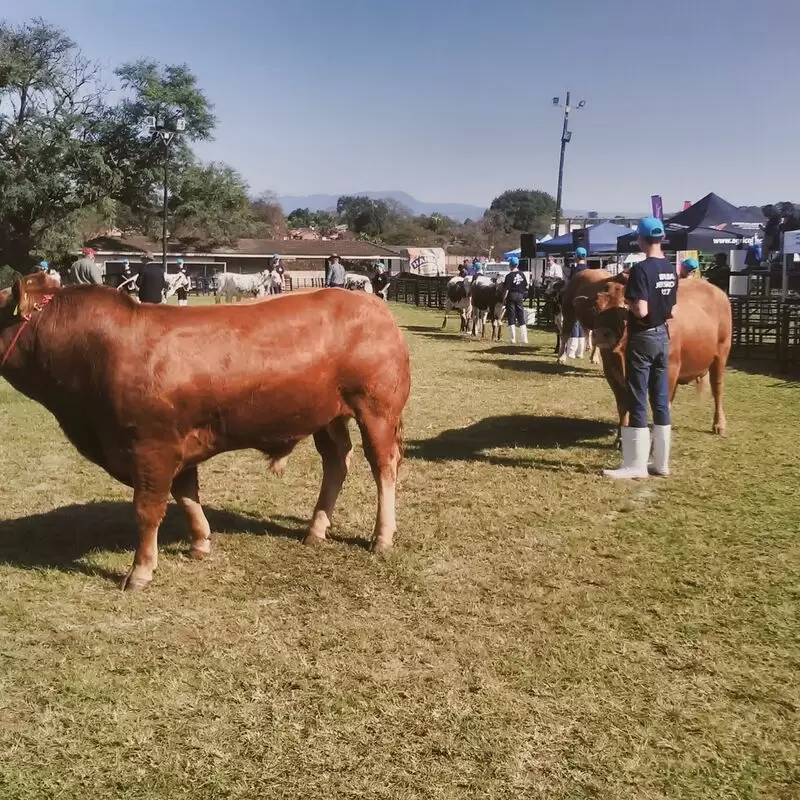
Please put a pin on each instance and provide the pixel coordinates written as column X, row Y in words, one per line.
column 650, row 294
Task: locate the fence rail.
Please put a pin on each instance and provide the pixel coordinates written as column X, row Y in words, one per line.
column 763, row 328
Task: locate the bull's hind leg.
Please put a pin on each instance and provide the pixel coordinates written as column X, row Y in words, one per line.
column 186, row 491
column 717, row 376
column 333, row 444
column 382, row 439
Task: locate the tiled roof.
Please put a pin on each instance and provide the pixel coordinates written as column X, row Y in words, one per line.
column 248, row 247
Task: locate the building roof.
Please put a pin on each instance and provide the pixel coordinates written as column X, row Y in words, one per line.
column 248, row 248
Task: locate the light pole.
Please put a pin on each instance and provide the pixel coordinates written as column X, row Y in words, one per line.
column 566, row 136
column 165, row 127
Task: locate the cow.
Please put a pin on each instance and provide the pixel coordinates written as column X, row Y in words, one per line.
column 699, row 338
column 458, row 299
column 578, row 285
column 234, row 284
column 180, row 280
column 358, row 283
column 487, row 305
column 136, row 395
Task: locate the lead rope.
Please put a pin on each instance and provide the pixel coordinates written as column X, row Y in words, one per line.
column 26, row 318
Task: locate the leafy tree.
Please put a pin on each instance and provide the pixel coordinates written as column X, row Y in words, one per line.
column 300, row 218
column 72, row 165
column 270, row 220
column 210, row 205
column 51, row 166
column 524, row 210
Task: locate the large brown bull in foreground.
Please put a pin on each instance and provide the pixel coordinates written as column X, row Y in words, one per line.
column 699, row 334
column 583, row 284
column 149, row 392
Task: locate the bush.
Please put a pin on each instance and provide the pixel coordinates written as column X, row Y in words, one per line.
column 8, row 277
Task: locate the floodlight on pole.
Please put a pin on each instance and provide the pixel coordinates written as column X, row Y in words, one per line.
column 566, row 137
column 165, row 127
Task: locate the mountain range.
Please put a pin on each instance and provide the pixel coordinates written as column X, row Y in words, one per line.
column 327, row 202
column 456, row 211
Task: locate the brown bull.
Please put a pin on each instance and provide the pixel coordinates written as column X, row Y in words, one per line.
column 583, row 284
column 699, row 333
column 149, row 392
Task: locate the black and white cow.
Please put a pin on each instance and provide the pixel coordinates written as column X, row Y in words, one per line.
column 487, row 305
column 458, row 299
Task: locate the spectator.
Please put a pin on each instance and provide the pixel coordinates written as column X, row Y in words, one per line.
column 86, row 270
column 335, row 275
column 151, row 281
column 277, row 267
column 720, row 272
column 380, row 283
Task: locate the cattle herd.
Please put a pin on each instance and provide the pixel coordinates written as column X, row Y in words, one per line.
column 149, row 406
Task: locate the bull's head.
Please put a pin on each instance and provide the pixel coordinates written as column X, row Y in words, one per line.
column 606, row 314
column 22, row 299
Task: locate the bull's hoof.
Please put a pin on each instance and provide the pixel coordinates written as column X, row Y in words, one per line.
column 131, row 583
column 312, row 540
column 199, row 555
column 718, row 430
column 379, row 546
column 562, row 361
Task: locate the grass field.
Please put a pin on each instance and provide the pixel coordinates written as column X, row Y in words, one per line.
column 536, row 633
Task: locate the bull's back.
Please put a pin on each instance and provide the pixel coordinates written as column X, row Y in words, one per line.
column 700, row 328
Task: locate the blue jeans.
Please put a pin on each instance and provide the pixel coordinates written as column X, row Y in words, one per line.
column 646, row 363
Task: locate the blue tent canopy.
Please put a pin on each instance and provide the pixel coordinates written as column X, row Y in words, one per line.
column 602, row 239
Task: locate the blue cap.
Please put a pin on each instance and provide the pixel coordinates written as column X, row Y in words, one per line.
column 581, row 252
column 179, row 262
column 276, row 257
column 650, row 228
column 44, row 265
column 513, row 261
column 690, row 263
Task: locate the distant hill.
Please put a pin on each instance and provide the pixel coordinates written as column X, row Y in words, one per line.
column 327, row 202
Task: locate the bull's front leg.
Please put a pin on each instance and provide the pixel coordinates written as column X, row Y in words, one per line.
column 186, row 491
column 154, row 473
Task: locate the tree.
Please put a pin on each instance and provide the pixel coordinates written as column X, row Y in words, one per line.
column 210, row 205
column 51, row 166
column 300, row 218
column 270, row 220
column 71, row 164
column 525, row 210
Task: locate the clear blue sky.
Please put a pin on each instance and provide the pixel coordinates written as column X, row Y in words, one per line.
column 450, row 100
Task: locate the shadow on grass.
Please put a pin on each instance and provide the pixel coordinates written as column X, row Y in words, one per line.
column 542, row 367
column 63, row 537
column 768, row 368
column 540, row 433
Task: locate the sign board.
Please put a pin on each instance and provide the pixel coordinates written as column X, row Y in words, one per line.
column 791, row 242
column 428, row 261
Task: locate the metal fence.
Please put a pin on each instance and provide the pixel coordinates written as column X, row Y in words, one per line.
column 763, row 328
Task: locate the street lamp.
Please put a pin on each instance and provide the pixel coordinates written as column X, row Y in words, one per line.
column 566, row 137
column 165, row 127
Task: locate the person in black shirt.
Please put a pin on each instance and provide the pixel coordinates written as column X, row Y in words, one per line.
column 380, row 282
column 151, row 282
column 650, row 293
column 515, row 287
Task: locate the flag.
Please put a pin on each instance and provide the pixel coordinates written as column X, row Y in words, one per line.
column 687, row 204
column 658, row 211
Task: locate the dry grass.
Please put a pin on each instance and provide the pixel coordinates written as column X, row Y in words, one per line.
column 537, row 632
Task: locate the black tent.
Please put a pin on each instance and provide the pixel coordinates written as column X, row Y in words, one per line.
column 711, row 224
